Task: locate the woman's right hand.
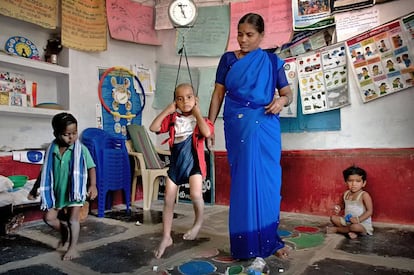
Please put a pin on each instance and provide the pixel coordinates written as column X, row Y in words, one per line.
column 210, row 141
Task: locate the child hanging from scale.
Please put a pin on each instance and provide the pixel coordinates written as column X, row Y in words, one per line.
column 187, row 129
column 358, row 206
column 67, row 168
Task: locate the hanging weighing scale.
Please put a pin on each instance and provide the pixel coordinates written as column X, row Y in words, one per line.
column 183, row 14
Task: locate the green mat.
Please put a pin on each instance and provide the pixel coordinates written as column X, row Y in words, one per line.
column 307, row 240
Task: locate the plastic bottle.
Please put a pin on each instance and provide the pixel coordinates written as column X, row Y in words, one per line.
column 29, row 156
column 348, row 218
column 256, row 267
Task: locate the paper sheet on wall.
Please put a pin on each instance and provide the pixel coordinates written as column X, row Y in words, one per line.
column 206, row 88
column 162, row 21
column 209, row 35
column 131, row 21
column 146, row 78
column 349, row 24
column 278, row 29
column 39, row 12
column 166, row 82
column 311, row 15
column 84, row 25
column 203, row 79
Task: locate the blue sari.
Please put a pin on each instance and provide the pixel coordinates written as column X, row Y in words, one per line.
column 253, row 143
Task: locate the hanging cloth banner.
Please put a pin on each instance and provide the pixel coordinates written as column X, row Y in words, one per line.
column 42, row 12
column 84, row 25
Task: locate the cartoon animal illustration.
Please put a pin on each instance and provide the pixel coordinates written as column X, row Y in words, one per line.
column 120, row 92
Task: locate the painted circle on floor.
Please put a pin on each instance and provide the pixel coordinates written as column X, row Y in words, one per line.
column 197, row 268
column 224, row 259
column 307, row 229
column 207, row 253
column 283, row 233
column 233, row 270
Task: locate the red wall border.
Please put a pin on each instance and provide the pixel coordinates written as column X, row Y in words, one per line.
column 313, row 182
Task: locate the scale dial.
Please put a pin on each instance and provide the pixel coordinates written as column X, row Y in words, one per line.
column 182, row 13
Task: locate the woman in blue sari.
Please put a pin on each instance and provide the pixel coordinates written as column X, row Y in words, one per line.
column 248, row 79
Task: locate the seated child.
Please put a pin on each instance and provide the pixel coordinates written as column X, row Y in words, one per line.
column 358, row 206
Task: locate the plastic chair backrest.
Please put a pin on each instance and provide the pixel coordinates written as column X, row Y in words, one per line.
column 143, row 144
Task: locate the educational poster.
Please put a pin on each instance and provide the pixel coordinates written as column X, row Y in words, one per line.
column 131, row 21
column 277, row 16
column 382, row 61
column 323, row 79
column 43, row 13
column 305, row 41
column 292, row 77
column 311, row 14
column 146, row 78
column 121, row 103
column 84, row 25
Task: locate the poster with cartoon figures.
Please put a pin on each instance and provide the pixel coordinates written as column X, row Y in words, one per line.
column 121, row 102
column 323, row 79
column 382, row 60
column 291, row 75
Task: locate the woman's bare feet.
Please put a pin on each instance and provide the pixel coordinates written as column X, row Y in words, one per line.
column 283, row 253
column 352, row 235
column 165, row 242
column 191, row 234
column 72, row 253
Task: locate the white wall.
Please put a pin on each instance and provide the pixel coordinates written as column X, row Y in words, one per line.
column 383, row 123
column 387, row 122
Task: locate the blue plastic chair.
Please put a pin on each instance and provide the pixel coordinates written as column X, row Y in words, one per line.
column 113, row 170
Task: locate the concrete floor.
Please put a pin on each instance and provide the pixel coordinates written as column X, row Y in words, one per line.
column 116, row 245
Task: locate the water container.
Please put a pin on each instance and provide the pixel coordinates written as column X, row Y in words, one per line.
column 29, row 156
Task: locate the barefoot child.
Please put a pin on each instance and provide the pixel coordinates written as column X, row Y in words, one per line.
column 67, row 168
column 187, row 129
column 358, row 206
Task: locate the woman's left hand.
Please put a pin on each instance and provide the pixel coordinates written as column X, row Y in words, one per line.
column 276, row 106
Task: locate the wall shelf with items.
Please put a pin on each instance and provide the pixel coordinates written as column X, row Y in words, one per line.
column 52, row 84
column 53, row 80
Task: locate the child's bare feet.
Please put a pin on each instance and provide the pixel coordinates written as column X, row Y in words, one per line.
column 72, row 253
column 352, row 235
column 331, row 230
column 62, row 246
column 31, row 197
column 191, row 234
column 165, row 242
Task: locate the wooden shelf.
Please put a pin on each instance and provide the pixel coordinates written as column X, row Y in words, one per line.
column 17, row 61
column 29, row 112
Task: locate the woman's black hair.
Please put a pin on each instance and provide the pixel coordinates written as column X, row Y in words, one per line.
column 254, row 19
column 61, row 121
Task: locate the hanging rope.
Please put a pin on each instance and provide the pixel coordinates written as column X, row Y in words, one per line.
column 181, row 52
